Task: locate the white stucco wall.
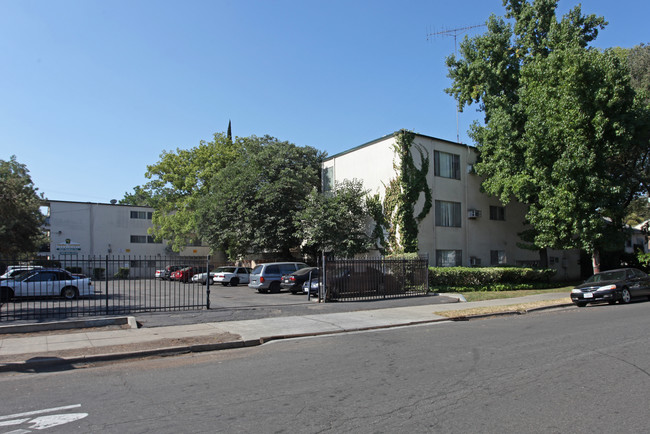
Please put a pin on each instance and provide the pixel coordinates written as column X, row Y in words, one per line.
column 106, row 229
column 372, row 163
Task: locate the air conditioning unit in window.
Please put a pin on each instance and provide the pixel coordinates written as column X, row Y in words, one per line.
column 473, row 213
column 474, row 261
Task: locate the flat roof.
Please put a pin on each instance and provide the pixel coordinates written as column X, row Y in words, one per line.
column 47, row 201
column 393, row 134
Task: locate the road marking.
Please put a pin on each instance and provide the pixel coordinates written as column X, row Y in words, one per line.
column 13, row 422
column 44, row 422
column 32, row 413
column 41, row 422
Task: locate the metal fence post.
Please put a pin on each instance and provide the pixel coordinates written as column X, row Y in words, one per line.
column 207, row 283
column 322, row 290
column 106, row 283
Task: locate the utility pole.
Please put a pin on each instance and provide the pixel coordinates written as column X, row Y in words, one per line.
column 454, row 32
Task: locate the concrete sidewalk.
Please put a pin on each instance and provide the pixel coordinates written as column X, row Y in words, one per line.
column 29, row 351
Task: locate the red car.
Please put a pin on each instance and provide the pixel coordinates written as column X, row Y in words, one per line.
column 185, row 274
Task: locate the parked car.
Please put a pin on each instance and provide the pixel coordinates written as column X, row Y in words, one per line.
column 293, row 282
column 45, row 282
column 185, row 274
column 232, row 276
column 202, row 277
column 622, row 285
column 15, row 270
column 166, row 273
column 266, row 277
column 360, row 282
column 315, row 286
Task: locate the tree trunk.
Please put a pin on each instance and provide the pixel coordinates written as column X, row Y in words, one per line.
column 543, row 258
column 595, row 261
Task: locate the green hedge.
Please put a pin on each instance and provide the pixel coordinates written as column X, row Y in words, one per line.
column 122, row 273
column 488, row 278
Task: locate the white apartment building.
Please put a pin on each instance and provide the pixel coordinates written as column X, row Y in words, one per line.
column 464, row 227
column 82, row 230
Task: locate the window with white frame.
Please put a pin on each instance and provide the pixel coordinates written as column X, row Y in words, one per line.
column 498, row 257
column 449, row 258
column 448, row 214
column 446, row 165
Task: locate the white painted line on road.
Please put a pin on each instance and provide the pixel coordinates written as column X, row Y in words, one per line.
column 41, row 422
column 13, row 422
column 47, row 410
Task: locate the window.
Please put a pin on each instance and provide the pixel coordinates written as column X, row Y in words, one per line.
column 145, row 215
column 446, row 165
column 142, row 239
column 497, row 257
column 449, row 258
column 328, row 179
column 497, row 213
column 448, row 214
column 152, row 240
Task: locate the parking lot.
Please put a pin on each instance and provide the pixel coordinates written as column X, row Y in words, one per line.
column 144, row 295
column 145, row 299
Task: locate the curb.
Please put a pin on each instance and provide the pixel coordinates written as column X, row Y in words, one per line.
column 67, row 325
column 510, row 312
column 45, row 362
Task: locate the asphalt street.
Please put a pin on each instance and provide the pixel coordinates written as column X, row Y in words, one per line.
column 571, row 370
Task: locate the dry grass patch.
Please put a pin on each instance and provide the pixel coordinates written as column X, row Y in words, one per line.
column 521, row 308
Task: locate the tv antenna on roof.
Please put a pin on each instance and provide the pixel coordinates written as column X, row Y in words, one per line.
column 454, row 33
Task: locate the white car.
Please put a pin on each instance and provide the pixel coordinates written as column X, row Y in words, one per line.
column 202, row 277
column 46, row 282
column 232, row 276
column 15, row 270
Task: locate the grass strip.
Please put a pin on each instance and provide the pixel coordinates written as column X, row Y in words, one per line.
column 522, row 307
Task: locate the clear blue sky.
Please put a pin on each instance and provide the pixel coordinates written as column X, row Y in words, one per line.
column 92, row 91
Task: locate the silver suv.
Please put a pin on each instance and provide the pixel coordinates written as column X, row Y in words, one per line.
column 267, row 277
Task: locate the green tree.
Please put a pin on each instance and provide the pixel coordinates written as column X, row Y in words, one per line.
column 639, row 59
column 21, row 219
column 564, row 131
column 250, row 204
column 140, row 197
column 178, row 181
column 336, row 222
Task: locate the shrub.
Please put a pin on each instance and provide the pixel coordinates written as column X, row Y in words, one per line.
column 98, row 273
column 74, row 270
column 488, row 279
column 122, row 273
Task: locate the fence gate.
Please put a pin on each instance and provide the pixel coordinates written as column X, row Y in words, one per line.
column 58, row 288
column 375, row 278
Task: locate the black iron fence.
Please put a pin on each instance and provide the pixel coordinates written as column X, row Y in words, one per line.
column 103, row 285
column 375, row 278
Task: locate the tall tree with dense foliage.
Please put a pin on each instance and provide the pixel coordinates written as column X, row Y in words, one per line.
column 250, row 205
column 178, row 181
column 564, row 130
column 336, row 221
column 639, row 60
column 21, row 219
